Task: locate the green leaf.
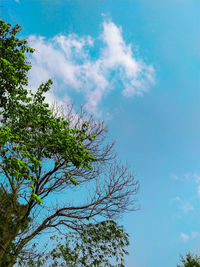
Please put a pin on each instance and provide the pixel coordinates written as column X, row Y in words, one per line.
column 73, row 180
column 37, row 198
column 32, row 186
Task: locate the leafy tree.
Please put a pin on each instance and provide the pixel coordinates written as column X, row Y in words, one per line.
column 93, row 245
column 45, row 151
column 190, row 261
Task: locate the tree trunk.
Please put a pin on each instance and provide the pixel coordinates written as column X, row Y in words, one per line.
column 4, row 250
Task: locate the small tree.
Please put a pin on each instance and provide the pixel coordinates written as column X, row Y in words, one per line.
column 46, row 151
column 190, row 261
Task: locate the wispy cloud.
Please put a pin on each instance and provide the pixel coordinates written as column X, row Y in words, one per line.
column 69, row 60
column 191, row 177
column 186, row 207
column 184, row 237
column 196, row 177
column 176, row 199
column 195, row 234
column 174, row 176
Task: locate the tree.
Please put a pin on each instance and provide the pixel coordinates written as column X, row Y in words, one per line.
column 94, row 245
column 45, row 151
column 190, row 261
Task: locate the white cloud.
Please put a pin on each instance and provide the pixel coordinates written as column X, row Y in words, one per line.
column 186, row 207
column 196, row 177
column 195, row 234
column 191, row 177
column 50, row 62
column 184, row 237
column 68, row 60
column 187, row 176
column 174, row 176
column 176, row 199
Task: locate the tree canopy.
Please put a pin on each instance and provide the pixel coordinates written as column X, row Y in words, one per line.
column 45, row 151
column 190, row 261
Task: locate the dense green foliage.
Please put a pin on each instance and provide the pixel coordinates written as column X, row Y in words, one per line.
column 190, row 261
column 29, row 133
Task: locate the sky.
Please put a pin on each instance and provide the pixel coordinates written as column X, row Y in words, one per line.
column 136, row 65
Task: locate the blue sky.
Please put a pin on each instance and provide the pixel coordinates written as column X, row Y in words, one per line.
column 135, row 64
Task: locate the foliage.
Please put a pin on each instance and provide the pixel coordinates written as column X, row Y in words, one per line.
column 43, row 151
column 5, row 205
column 94, row 245
column 190, row 261
column 14, row 68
